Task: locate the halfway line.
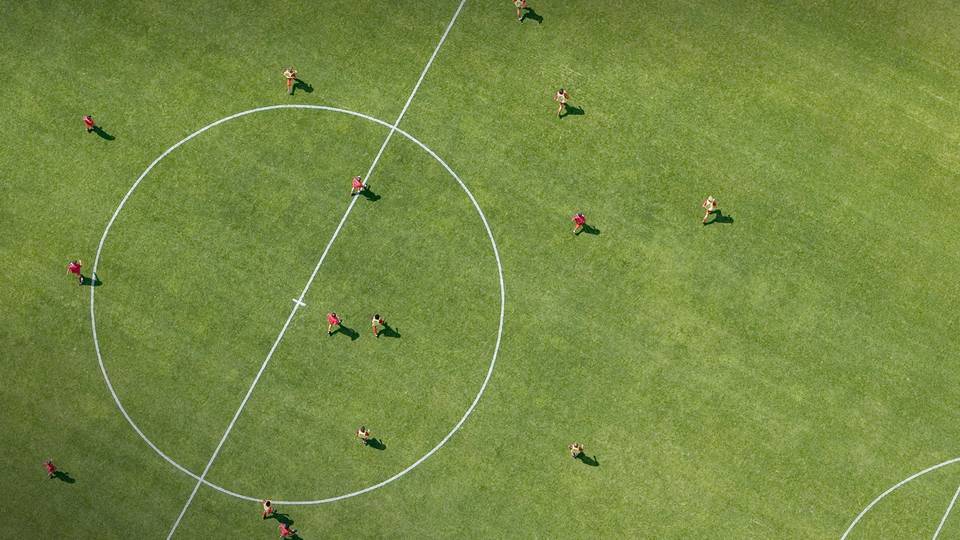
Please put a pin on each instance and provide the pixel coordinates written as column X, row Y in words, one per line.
column 947, row 513
column 313, row 276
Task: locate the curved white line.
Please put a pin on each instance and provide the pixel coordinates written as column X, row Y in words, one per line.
column 891, row 490
column 486, row 225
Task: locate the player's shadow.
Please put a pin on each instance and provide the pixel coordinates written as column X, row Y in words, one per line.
column 90, row 281
column 389, row 331
column 589, row 229
column 301, row 85
column 282, row 518
column 591, row 461
column 369, row 194
column 533, row 16
column 347, row 331
column 376, row 444
column 103, row 134
column 64, row 477
column 718, row 217
column 572, row 110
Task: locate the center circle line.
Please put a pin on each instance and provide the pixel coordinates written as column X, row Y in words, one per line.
column 409, row 468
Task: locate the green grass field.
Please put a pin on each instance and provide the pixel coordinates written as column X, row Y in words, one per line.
column 766, row 376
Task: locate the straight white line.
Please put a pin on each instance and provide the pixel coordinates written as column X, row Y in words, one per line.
column 316, row 269
column 943, row 520
column 299, row 303
column 233, row 421
column 890, row 490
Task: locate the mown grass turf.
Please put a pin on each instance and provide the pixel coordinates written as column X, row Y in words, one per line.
column 766, row 377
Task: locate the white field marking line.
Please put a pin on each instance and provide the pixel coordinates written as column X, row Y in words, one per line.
column 299, row 303
column 93, row 320
column 313, row 276
column 943, row 520
column 892, row 489
column 236, row 415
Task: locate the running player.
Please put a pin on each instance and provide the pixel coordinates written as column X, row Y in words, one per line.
column 332, row 320
column 290, row 74
column 709, row 206
column 357, row 186
column 561, row 97
column 89, row 123
column 377, row 323
column 575, row 450
column 74, row 268
column 50, row 467
column 521, row 5
column 267, row 509
column 364, row 435
column 286, row 531
column 579, row 221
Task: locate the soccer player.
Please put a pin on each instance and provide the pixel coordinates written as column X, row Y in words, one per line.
column 376, row 324
column 51, row 468
column 332, row 320
column 709, row 206
column 89, row 123
column 267, row 509
column 521, row 5
column 291, row 75
column 579, row 221
column 364, row 435
column 286, row 531
column 74, row 268
column 357, row 186
column 561, row 97
column 575, row 450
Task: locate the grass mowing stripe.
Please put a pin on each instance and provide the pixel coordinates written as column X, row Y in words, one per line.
column 313, row 276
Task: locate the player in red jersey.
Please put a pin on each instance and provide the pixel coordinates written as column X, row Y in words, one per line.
column 332, row 320
column 286, row 531
column 377, row 323
column 74, row 268
column 357, row 186
column 579, row 221
column 290, row 74
column 364, row 435
column 50, row 467
column 521, row 5
column 561, row 98
column 267, row 509
column 709, row 206
column 89, row 123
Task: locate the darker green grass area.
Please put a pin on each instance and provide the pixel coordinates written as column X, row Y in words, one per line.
column 763, row 377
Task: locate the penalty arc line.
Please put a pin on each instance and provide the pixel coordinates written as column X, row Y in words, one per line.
column 943, row 520
column 313, row 276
